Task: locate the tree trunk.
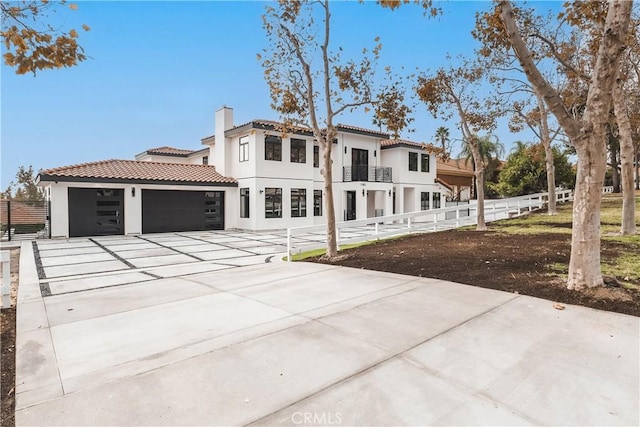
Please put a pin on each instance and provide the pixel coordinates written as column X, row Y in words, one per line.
column 479, row 173
column 584, row 265
column 330, row 212
column 551, row 178
column 615, row 174
column 638, row 168
column 626, row 161
column 548, row 156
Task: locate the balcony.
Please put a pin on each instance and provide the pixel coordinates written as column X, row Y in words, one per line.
column 366, row 173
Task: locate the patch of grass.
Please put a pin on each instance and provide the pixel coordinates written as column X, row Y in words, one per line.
column 626, row 266
column 319, row 252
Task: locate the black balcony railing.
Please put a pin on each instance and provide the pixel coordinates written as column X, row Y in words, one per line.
column 366, row 173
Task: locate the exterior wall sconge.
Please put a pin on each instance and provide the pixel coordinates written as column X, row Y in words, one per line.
column 133, row 191
column 374, row 153
column 261, row 191
column 363, row 192
column 389, row 193
column 345, row 149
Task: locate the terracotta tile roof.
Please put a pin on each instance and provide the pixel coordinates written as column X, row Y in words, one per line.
column 169, row 151
column 267, row 124
column 403, row 143
column 130, row 170
column 357, row 129
column 271, row 124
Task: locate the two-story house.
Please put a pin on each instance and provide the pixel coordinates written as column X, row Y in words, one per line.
column 248, row 176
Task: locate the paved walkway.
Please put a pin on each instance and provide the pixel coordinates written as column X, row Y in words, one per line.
column 158, row 341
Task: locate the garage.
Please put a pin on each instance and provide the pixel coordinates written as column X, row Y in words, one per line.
column 173, row 210
column 116, row 197
column 96, row 211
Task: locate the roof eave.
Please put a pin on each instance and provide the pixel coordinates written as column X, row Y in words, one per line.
column 62, row 178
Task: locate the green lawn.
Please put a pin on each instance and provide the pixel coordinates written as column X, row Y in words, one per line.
column 627, row 264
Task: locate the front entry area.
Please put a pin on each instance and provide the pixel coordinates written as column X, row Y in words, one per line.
column 172, row 210
column 350, row 212
column 96, row 211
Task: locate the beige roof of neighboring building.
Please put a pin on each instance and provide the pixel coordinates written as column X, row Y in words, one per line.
column 131, row 170
column 454, row 167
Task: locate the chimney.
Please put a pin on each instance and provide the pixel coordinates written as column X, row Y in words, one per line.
column 223, row 122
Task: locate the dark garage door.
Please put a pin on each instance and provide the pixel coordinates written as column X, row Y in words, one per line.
column 96, row 211
column 170, row 210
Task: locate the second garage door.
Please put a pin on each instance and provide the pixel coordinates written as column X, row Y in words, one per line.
column 171, row 210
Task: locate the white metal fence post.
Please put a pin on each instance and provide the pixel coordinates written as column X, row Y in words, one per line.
column 288, row 245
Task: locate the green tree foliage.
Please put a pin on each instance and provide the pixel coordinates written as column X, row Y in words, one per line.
column 24, row 188
column 30, row 44
column 525, row 173
column 490, row 152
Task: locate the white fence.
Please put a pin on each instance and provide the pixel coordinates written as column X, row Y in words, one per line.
column 5, row 287
column 306, row 238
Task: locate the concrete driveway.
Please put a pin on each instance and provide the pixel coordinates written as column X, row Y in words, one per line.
column 150, row 335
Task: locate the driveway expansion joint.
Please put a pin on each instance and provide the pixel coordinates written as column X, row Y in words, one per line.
column 39, row 266
column 170, row 248
column 113, row 254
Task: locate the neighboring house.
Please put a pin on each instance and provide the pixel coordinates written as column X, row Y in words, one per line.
column 457, row 176
column 254, row 178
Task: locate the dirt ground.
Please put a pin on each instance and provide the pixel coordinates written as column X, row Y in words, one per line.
column 507, row 262
column 8, row 348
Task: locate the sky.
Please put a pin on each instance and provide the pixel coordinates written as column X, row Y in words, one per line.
column 157, row 71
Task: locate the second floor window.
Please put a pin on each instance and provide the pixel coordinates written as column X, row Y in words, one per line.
column 205, row 160
column 317, row 202
column 316, row 156
column 273, row 148
column 244, row 149
column 273, row 202
column 298, row 151
column 298, row 202
column 424, row 201
column 436, row 200
column 413, row 161
column 424, row 162
column 244, row 203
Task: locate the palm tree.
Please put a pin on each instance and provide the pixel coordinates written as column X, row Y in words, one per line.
column 490, row 152
column 442, row 136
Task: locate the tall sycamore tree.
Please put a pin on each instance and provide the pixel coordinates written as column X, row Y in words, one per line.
column 525, row 106
column 586, row 20
column 458, row 90
column 311, row 84
column 586, row 130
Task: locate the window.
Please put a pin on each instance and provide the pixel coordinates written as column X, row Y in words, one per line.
column 273, row 202
column 317, row 202
column 316, row 156
column 273, row 148
column 424, row 162
column 298, row 151
column 244, row 203
column 436, row 200
column 205, row 160
column 244, row 149
column 413, row 161
column 424, row 201
column 298, row 202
